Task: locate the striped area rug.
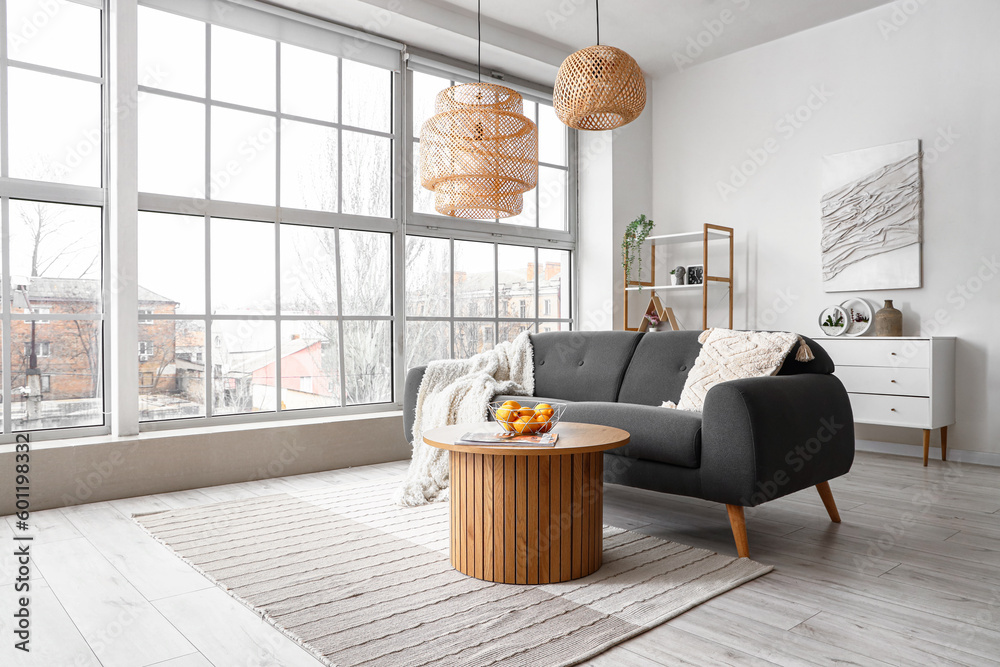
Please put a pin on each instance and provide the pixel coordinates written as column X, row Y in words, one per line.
column 360, row 581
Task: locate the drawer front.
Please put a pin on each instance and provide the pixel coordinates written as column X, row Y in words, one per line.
column 881, row 380
column 888, row 353
column 894, row 410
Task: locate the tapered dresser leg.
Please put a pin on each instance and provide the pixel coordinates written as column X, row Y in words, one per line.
column 738, row 522
column 944, row 443
column 927, row 444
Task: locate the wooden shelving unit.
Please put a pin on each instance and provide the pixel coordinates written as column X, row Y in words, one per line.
column 708, row 234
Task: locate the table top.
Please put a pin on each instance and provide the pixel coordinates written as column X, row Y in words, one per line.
column 574, row 438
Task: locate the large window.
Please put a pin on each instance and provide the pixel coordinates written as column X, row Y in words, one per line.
column 265, row 246
column 466, row 291
column 51, row 202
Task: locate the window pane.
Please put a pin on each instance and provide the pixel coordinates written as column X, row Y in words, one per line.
column 308, row 83
column 55, row 128
column 517, row 281
column 552, row 187
column 63, row 387
column 425, row 89
column 554, row 283
column 511, row 330
column 474, row 279
column 171, row 146
column 171, row 369
column 243, row 373
column 427, row 341
column 172, row 261
column 243, row 156
column 243, row 68
column 308, row 166
column 310, row 365
column 367, row 174
column 428, row 276
column 367, row 96
column 366, row 269
column 368, row 361
column 55, row 257
column 553, row 326
column 63, row 35
column 551, row 136
column 423, row 199
column 162, row 64
column 308, row 270
column 471, row 338
column 242, row 267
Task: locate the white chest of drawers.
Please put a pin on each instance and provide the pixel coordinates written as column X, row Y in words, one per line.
column 899, row 382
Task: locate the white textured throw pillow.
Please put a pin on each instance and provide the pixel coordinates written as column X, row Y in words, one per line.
column 731, row 355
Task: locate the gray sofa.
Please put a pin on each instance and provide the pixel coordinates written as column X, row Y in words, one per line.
column 756, row 440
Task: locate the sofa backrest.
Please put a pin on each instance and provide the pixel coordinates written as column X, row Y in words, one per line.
column 662, row 360
column 659, row 367
column 582, row 365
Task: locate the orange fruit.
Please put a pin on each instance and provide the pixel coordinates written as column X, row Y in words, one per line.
column 525, row 425
column 543, row 406
column 513, row 405
column 505, row 414
column 526, row 412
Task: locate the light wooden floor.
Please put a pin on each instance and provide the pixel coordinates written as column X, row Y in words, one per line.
column 911, row 577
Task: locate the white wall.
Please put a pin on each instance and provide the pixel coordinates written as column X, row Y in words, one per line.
column 927, row 69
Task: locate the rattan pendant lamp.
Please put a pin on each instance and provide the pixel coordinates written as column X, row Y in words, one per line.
column 478, row 152
column 599, row 87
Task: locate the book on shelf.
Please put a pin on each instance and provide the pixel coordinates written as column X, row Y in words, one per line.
column 510, row 439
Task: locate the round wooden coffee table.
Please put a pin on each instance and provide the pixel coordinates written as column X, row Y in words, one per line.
column 528, row 515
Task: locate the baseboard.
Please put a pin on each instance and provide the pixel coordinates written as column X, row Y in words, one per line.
column 917, row 452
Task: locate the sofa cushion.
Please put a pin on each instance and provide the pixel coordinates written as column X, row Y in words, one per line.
column 657, row 434
column 821, row 362
column 659, row 366
column 582, row 365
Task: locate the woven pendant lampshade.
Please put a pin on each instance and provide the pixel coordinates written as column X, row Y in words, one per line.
column 599, row 87
column 478, row 152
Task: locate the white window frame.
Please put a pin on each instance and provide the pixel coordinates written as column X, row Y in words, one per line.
column 55, row 193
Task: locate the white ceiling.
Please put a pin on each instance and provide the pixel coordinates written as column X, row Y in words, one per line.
column 529, row 38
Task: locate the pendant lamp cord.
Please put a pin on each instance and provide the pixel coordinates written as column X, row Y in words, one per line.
column 597, row 5
column 479, row 25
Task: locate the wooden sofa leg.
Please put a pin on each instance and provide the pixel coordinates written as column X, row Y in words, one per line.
column 827, row 495
column 738, row 522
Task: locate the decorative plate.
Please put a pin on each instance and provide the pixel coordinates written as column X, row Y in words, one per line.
column 833, row 321
column 860, row 315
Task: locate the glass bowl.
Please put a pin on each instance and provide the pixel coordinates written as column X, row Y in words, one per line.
column 528, row 416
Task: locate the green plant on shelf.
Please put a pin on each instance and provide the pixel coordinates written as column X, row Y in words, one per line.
column 635, row 236
column 835, row 323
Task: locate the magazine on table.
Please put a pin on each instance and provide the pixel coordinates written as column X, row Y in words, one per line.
column 510, row 439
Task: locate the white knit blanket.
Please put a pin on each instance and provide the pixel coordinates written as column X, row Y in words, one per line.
column 457, row 391
column 731, row 355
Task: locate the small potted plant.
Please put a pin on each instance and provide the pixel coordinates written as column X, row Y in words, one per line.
column 653, row 319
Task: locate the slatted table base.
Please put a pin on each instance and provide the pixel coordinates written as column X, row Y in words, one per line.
column 527, row 519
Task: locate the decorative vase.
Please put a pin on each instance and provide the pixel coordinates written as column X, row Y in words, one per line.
column 888, row 321
column 677, row 277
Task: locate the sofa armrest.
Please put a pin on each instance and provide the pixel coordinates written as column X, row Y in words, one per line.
column 763, row 438
column 413, row 378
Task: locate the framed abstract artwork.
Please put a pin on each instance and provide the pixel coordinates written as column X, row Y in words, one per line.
column 871, row 215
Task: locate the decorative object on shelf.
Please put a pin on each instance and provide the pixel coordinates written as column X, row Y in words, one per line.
column 677, row 276
column 599, row 87
column 656, row 315
column 889, row 321
column 635, row 236
column 871, row 218
column 860, row 315
column 478, row 152
column 695, row 274
column 833, row 321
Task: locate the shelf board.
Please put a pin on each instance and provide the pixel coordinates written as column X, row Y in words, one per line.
column 686, row 237
column 659, row 287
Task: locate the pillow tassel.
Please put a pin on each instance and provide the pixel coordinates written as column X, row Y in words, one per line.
column 805, row 353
